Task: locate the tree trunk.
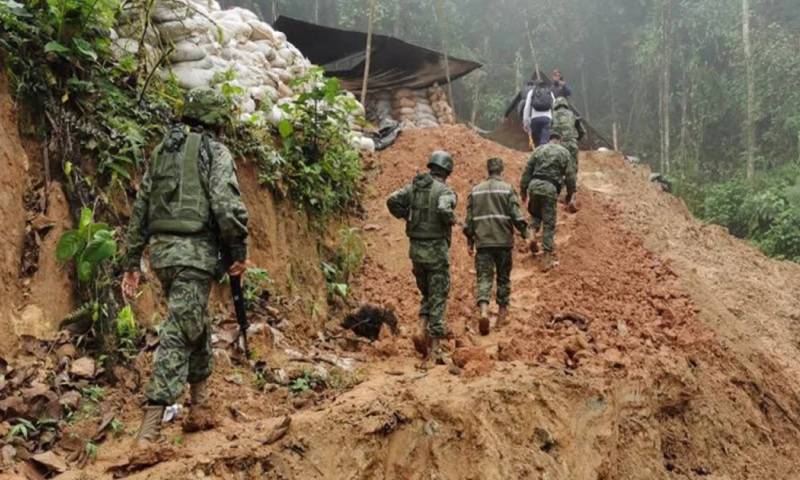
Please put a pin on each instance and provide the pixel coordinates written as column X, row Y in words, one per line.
column 534, row 59
column 438, row 12
column 367, row 62
column 611, row 82
column 584, row 90
column 749, row 134
column 666, row 70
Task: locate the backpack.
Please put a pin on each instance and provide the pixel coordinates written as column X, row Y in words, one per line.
column 423, row 222
column 542, row 99
column 178, row 199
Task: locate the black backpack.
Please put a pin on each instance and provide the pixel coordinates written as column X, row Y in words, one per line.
column 542, row 99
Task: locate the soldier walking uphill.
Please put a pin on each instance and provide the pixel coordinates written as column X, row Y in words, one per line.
column 188, row 210
column 567, row 124
column 492, row 214
column 427, row 204
column 549, row 168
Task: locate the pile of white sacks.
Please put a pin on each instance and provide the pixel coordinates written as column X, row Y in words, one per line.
column 425, row 108
column 207, row 43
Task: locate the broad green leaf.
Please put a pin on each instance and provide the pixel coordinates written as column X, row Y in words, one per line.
column 69, row 245
column 285, row 128
column 99, row 250
column 84, row 48
column 86, row 219
column 85, row 270
column 55, row 47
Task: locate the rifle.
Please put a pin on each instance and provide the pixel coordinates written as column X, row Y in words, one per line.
column 241, row 313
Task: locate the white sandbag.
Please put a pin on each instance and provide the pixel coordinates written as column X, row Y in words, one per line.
column 365, row 144
column 280, row 39
column 123, row 47
column 427, row 124
column 261, row 31
column 189, row 78
column 180, row 29
column 264, row 93
column 171, row 10
column 423, row 109
column 283, row 75
column 279, row 62
column 284, row 91
column 247, row 105
column 407, row 111
column 186, row 51
column 276, row 115
column 243, row 14
column 405, row 103
column 231, row 30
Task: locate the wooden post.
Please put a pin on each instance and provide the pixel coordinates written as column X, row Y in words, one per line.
column 369, row 52
column 438, row 12
column 615, row 136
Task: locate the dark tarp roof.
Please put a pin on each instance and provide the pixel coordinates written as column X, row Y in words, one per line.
column 511, row 134
column 394, row 64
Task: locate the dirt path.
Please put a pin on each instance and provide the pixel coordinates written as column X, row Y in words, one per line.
column 649, row 386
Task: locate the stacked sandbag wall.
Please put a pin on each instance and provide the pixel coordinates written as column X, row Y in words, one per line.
column 412, row 108
column 206, row 43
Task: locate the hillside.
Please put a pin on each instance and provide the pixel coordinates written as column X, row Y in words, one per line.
column 684, row 368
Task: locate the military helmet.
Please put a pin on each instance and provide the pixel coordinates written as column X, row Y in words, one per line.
column 494, row 165
column 561, row 102
column 207, row 106
column 441, row 159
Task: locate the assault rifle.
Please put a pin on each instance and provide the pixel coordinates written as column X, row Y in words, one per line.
column 241, row 313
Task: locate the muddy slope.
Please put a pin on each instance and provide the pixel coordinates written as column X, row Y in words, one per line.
column 619, row 365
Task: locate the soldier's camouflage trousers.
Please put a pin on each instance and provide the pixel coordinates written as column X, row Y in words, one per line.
column 544, row 211
column 184, row 353
column 572, row 146
column 433, row 281
column 487, row 262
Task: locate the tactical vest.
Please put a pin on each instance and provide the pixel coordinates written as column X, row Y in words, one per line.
column 423, row 219
column 564, row 124
column 178, row 200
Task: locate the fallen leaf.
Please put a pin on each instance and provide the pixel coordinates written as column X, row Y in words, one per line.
column 84, row 367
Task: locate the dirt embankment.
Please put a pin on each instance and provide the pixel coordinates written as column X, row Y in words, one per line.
column 627, row 362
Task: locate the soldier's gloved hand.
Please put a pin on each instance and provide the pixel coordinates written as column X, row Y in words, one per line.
column 130, row 284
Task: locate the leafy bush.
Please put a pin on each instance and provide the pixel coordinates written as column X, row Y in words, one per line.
column 765, row 211
column 89, row 245
column 319, row 163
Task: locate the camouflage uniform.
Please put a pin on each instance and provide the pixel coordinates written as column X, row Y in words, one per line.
column 567, row 124
column 547, row 170
column 186, row 263
column 492, row 214
column 427, row 204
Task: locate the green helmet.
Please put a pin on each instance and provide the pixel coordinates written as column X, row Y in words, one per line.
column 207, row 106
column 495, row 165
column 441, row 159
column 561, row 102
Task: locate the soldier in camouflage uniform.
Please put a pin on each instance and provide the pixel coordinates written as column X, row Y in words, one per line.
column 549, row 168
column 567, row 124
column 492, row 215
column 188, row 210
column 427, row 205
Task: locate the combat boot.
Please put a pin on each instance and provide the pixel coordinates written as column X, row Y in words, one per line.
column 150, row 429
column 502, row 316
column 484, row 323
column 420, row 337
column 549, row 262
column 533, row 245
column 437, row 352
column 201, row 416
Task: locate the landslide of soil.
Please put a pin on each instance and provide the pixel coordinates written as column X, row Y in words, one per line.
column 660, row 349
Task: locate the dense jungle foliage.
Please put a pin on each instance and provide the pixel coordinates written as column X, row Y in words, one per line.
column 100, row 114
column 685, row 81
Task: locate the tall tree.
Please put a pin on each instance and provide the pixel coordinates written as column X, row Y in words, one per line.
column 749, row 124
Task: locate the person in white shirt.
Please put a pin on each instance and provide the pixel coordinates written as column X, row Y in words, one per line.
column 538, row 112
